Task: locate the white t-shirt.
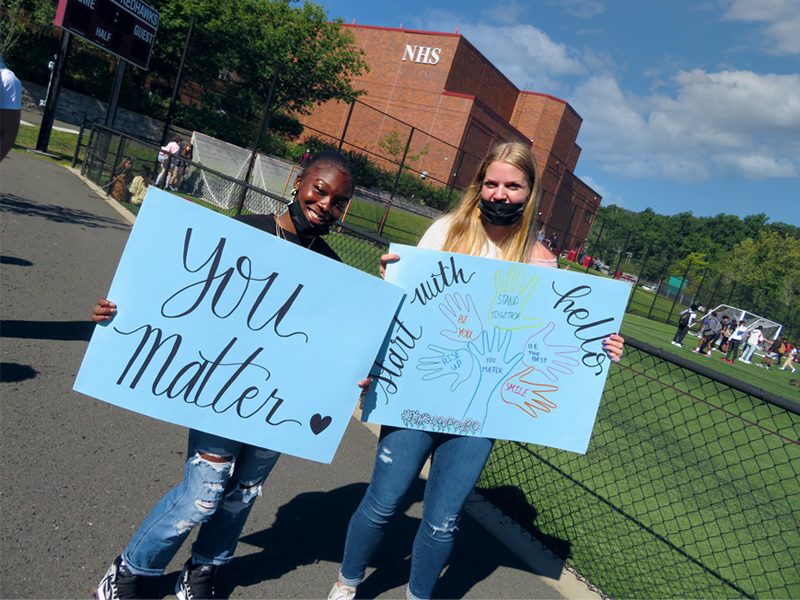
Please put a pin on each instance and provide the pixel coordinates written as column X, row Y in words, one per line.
column 436, row 235
column 11, row 92
column 739, row 332
column 755, row 337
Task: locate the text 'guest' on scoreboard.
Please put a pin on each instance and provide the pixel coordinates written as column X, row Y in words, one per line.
column 125, row 28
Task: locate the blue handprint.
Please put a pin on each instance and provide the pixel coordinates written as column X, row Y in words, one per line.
column 457, row 364
column 494, row 365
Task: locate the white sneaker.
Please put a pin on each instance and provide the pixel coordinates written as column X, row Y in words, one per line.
column 340, row 591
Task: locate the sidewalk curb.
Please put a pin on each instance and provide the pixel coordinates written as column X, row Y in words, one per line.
column 124, row 212
column 536, row 557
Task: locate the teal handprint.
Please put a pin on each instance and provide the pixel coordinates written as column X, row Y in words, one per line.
column 494, row 365
column 457, row 364
column 509, row 307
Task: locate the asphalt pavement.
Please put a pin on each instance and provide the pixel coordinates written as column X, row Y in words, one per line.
column 79, row 475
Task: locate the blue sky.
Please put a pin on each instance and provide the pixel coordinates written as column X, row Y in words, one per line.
column 686, row 106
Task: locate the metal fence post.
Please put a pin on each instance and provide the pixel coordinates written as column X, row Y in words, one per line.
column 674, row 302
column 700, row 286
column 346, row 124
column 644, row 264
column 396, row 181
column 619, row 257
column 599, row 237
column 89, row 151
column 78, row 143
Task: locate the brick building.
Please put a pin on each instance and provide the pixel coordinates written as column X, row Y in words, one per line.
column 443, row 105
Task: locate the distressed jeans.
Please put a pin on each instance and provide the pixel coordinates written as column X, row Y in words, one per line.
column 456, row 465
column 217, row 496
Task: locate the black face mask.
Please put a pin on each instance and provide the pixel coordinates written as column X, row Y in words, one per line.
column 301, row 223
column 501, row 213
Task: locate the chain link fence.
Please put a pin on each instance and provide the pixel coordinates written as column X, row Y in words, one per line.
column 107, row 148
column 690, row 487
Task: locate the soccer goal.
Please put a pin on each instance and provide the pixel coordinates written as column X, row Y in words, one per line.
column 268, row 174
column 751, row 320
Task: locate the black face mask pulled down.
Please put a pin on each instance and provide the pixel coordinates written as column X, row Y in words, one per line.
column 301, row 224
column 501, row 213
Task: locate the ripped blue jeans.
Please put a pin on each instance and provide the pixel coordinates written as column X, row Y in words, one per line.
column 456, row 465
column 217, row 496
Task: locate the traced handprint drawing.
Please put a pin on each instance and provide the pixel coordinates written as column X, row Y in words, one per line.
column 549, row 358
column 464, row 318
column 457, row 364
column 510, row 302
column 527, row 395
column 494, row 365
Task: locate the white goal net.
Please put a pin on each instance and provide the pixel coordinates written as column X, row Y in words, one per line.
column 268, row 174
column 751, row 320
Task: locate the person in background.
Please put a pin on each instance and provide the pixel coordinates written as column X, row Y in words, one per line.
column 734, row 342
column 754, row 339
column 119, row 183
column 166, row 158
column 222, row 477
column 724, row 335
column 139, row 185
column 685, row 321
column 711, row 328
column 791, row 357
column 10, row 108
column 180, row 166
column 495, row 219
column 305, row 158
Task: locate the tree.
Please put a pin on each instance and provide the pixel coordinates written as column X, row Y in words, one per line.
column 393, row 146
column 239, row 49
column 19, row 16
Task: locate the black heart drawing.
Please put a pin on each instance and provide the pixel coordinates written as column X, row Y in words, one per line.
column 319, row 423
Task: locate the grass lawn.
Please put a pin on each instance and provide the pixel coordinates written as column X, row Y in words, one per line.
column 62, row 143
column 401, row 227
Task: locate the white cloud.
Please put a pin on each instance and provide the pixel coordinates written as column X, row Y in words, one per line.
column 731, row 123
column 584, row 9
column 780, row 19
column 504, row 12
column 694, row 125
column 523, row 53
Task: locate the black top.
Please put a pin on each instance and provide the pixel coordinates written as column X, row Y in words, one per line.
column 267, row 223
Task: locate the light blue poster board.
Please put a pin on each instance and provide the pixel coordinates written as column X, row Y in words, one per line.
column 495, row 349
column 227, row 329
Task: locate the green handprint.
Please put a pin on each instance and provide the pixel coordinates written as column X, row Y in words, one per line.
column 510, row 303
column 447, row 363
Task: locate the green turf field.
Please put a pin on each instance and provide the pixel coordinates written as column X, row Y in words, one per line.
column 783, row 383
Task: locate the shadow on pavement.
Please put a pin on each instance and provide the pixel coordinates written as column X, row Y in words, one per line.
column 47, row 330
column 312, row 527
column 59, row 214
column 14, row 372
column 13, row 260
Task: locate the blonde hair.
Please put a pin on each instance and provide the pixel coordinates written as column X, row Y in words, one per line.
column 467, row 235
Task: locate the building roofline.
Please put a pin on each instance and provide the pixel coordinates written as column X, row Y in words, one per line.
column 404, row 30
column 551, row 97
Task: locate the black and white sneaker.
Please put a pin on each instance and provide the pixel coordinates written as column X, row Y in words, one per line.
column 195, row 582
column 118, row 582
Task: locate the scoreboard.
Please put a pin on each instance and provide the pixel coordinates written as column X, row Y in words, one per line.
column 125, row 28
